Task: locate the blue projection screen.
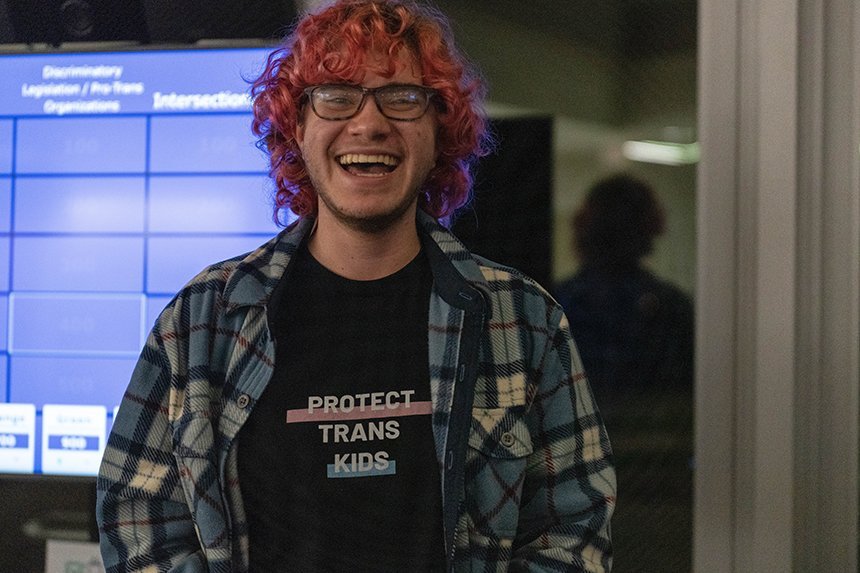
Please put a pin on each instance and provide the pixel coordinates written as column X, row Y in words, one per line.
column 122, row 175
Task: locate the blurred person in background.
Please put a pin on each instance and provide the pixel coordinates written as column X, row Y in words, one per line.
column 635, row 335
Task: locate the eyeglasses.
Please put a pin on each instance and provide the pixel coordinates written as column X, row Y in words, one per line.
column 403, row 102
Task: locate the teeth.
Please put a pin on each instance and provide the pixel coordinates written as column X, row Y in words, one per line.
column 351, row 158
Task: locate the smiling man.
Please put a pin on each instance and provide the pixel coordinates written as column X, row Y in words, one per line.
column 361, row 393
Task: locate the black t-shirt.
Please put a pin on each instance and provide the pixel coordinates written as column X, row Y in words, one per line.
column 337, row 462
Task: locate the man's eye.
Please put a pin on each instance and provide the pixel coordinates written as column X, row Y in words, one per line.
column 403, row 99
column 337, row 99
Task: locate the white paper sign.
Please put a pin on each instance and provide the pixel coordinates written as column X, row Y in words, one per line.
column 17, row 437
column 72, row 557
column 73, row 438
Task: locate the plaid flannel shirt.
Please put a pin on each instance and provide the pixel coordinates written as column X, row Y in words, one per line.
column 525, row 462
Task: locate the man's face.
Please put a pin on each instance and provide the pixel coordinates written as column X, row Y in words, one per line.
column 356, row 186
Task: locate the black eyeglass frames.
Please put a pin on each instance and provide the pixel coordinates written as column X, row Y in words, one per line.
column 404, row 102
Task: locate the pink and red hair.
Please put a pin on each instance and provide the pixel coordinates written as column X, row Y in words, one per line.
column 332, row 46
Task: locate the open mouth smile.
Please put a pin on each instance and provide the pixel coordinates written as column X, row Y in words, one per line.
column 368, row 165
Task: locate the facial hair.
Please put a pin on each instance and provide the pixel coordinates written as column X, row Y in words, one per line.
column 369, row 224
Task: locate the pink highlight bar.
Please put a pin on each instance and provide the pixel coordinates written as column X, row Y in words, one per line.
column 319, row 415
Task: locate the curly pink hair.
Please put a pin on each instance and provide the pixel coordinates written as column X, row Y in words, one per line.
column 333, row 45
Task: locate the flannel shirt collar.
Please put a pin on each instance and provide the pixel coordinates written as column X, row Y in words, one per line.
column 252, row 281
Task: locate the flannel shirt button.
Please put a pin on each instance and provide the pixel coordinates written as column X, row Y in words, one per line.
column 243, row 401
column 508, row 439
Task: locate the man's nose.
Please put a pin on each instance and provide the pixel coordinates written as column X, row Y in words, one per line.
column 369, row 120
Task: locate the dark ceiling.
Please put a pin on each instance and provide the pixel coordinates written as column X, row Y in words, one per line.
column 56, row 22
column 627, row 28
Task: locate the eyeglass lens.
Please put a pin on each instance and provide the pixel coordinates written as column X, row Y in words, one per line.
column 395, row 102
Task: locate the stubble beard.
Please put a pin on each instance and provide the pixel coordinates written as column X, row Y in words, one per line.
column 373, row 223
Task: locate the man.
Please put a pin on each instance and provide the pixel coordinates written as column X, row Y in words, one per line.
column 634, row 331
column 360, row 393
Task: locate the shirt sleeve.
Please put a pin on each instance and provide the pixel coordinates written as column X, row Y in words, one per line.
column 569, row 489
column 144, row 520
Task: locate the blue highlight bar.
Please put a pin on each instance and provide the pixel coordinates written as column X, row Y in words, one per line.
column 14, row 441
column 357, row 470
column 74, row 443
column 196, row 81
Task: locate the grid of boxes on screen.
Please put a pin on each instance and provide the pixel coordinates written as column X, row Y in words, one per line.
column 102, row 219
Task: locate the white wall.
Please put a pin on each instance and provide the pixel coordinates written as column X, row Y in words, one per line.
column 778, row 286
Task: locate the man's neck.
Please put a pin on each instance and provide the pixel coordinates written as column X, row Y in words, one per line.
column 360, row 255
